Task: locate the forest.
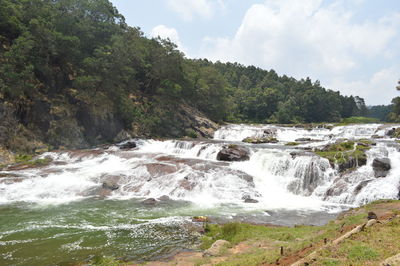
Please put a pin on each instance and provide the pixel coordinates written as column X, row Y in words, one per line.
column 72, row 68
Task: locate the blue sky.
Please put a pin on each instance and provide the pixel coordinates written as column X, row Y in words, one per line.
column 349, row 45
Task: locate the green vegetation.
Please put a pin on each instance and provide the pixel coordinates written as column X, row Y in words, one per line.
column 191, row 133
column 368, row 247
column 26, row 159
column 359, row 120
column 74, row 74
column 341, row 152
column 260, row 140
column 292, row 144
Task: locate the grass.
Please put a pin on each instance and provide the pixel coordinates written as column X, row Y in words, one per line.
column 372, row 245
column 341, row 152
column 27, row 159
column 358, row 120
column 292, row 144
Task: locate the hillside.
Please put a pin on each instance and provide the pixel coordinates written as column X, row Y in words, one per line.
column 74, row 74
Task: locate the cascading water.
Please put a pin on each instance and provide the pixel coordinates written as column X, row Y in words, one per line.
column 104, row 189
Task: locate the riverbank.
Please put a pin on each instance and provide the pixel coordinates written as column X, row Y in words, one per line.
column 368, row 235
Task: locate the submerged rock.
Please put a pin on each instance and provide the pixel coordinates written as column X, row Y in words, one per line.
column 164, row 198
column 127, row 145
column 150, row 202
column 250, row 200
column 234, row 153
column 303, row 139
column 381, row 167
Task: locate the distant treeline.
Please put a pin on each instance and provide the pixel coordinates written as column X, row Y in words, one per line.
column 80, row 57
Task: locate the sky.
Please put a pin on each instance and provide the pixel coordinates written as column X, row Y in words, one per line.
column 351, row 46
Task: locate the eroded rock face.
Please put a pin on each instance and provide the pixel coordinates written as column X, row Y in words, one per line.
column 381, row 167
column 234, row 153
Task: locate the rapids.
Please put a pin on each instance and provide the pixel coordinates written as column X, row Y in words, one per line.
column 63, row 210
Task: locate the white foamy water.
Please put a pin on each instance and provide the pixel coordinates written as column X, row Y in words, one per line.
column 278, row 177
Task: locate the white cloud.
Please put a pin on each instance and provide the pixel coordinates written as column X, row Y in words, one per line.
column 188, row 9
column 378, row 89
column 309, row 38
column 167, row 33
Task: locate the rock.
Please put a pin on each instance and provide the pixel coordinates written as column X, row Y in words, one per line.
column 127, row 145
column 216, row 248
column 233, row 153
column 200, row 219
column 250, row 200
column 392, row 261
column 352, row 163
column 164, row 198
column 150, row 202
column 381, row 167
column 160, row 169
column 111, row 182
column 371, row 216
column 360, row 186
column 122, row 136
column 303, row 139
column 260, row 140
column 270, row 132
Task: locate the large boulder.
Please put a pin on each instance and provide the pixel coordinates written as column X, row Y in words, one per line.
column 233, row 153
column 381, row 167
column 352, row 163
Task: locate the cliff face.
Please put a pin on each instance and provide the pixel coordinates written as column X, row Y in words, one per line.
column 33, row 126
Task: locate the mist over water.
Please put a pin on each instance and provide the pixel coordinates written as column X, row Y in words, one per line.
column 65, row 205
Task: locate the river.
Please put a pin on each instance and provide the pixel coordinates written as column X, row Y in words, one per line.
column 137, row 204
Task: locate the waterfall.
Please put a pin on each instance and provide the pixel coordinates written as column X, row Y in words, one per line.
column 275, row 176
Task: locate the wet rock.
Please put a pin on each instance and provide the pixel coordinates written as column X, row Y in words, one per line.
column 270, row 132
column 234, row 153
column 352, row 163
column 250, row 200
column 122, row 136
column 160, row 169
column 372, row 215
column 216, row 248
column 150, row 202
column 127, row 145
column 303, row 139
column 260, row 140
column 360, row 186
column 111, row 182
column 381, row 167
column 393, row 132
column 110, row 185
column 338, row 187
column 376, row 137
column 164, row 198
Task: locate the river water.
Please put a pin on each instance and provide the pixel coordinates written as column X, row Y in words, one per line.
column 62, row 213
